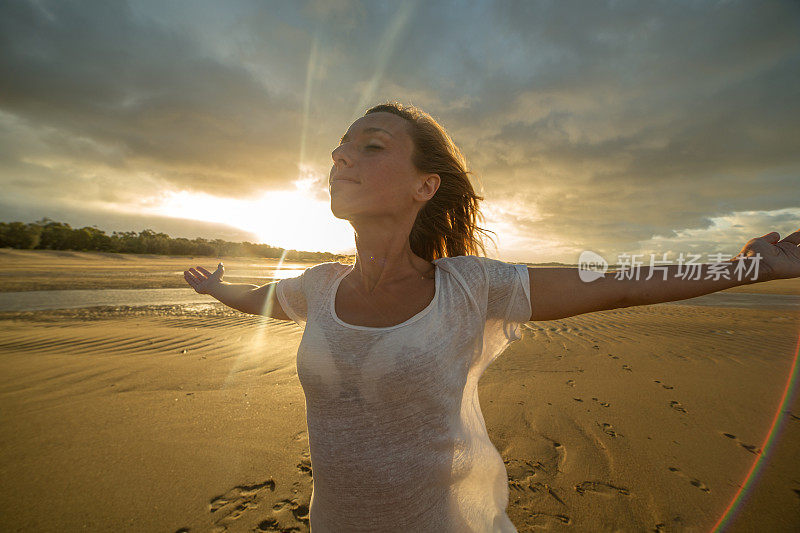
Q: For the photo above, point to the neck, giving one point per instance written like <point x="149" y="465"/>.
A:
<point x="383" y="254"/>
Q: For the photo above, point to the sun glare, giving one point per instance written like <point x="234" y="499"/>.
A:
<point x="289" y="219"/>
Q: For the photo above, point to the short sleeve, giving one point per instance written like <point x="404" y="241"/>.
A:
<point x="292" y="297"/>
<point x="509" y="298"/>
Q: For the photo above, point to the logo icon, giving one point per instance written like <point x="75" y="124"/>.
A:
<point x="591" y="266"/>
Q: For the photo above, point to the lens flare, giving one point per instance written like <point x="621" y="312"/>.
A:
<point x="258" y="345"/>
<point x="753" y="474"/>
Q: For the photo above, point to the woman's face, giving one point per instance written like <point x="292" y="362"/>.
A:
<point x="372" y="172"/>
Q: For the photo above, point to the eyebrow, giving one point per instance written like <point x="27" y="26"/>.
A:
<point x="366" y="130"/>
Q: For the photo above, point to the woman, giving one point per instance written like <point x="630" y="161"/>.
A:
<point x="394" y="345"/>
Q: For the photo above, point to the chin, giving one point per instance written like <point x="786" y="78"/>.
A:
<point x="338" y="212"/>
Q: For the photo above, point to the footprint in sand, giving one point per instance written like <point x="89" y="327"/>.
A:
<point x="608" y="429"/>
<point x="287" y="514"/>
<point x="544" y="488"/>
<point x="521" y="475"/>
<point x="559" y="455"/>
<point x="677" y="406"/>
<point x="535" y="476"/>
<point x="520" y="471"/>
<point x="571" y="382"/>
<point x="661" y="527"/>
<point x="300" y="435"/>
<point x="600" y="487"/>
<point x="693" y="481"/>
<point x="299" y="511"/>
<point x="229" y="507"/>
<point x="604" y="404"/>
<point x="304" y="465"/>
<point x="749" y="447"/>
<point x="627" y="367"/>
<point x="664" y="385"/>
<point x="270" y="524"/>
<point x="538" y="520"/>
<point x="613" y="356"/>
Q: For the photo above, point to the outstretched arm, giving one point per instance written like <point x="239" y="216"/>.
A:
<point x="560" y="292"/>
<point x="253" y="299"/>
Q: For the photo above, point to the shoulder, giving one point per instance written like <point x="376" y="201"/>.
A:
<point x="459" y="261"/>
<point x="329" y="266"/>
<point x="474" y="263"/>
<point x="324" y="271"/>
<point x="314" y="275"/>
<point x="487" y="271"/>
<point x="468" y="269"/>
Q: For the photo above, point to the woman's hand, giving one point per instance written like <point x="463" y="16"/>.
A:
<point x="779" y="259"/>
<point x="203" y="281"/>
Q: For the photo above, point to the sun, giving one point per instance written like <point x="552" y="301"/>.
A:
<point x="291" y="219"/>
<point x="296" y="220"/>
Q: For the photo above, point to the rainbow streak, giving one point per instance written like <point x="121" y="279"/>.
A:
<point x="755" y="470"/>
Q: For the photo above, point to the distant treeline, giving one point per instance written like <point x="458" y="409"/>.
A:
<point x="46" y="234"/>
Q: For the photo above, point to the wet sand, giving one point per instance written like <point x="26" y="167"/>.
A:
<point x="40" y="270"/>
<point x="158" y="419"/>
<point x="176" y="418"/>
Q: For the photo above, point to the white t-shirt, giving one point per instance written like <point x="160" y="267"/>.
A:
<point x="396" y="434"/>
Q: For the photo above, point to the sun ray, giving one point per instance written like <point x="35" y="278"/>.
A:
<point x="385" y="49"/>
<point x="259" y="338"/>
<point x="310" y="70"/>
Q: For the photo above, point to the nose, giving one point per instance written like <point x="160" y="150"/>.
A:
<point x="339" y="157"/>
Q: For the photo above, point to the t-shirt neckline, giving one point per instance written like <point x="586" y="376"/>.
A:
<point x="335" y="287"/>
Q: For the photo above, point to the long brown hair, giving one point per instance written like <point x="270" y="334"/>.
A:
<point x="447" y="225"/>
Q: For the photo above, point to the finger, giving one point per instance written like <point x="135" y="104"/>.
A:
<point x="192" y="276"/>
<point x="771" y="237"/>
<point x="189" y="278"/>
<point x="204" y="271"/>
<point x="197" y="274"/>
<point x="793" y="238"/>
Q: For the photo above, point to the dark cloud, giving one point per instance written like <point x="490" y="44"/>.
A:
<point x="154" y="96"/>
<point x="595" y="124"/>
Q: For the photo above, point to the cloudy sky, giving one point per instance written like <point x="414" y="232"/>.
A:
<point x="617" y="127"/>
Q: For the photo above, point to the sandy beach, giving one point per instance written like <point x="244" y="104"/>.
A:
<point x="29" y="270"/>
<point x="191" y="418"/>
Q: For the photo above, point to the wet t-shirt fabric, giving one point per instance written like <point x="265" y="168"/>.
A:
<point x="397" y="438"/>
